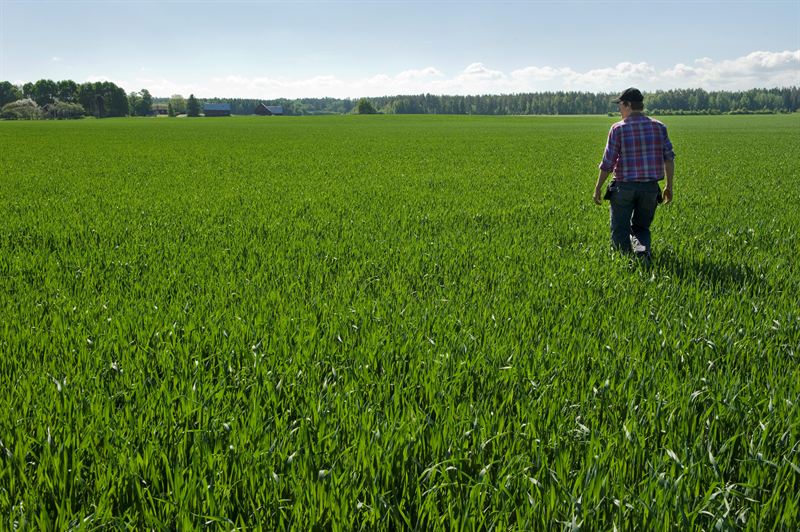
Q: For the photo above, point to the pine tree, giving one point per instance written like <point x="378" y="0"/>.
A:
<point x="193" y="106"/>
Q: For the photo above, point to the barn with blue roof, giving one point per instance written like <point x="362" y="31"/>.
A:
<point x="268" y="110"/>
<point x="217" y="109"/>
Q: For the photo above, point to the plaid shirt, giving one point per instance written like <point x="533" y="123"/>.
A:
<point x="636" y="150"/>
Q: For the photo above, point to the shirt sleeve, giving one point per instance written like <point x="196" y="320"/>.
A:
<point x="611" y="153"/>
<point x="669" y="153"/>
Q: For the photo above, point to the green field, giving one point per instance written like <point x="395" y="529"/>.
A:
<point x="391" y="322"/>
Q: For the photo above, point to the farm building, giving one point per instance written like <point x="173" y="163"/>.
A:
<point x="160" y="109"/>
<point x="217" y="109"/>
<point x="269" y="110"/>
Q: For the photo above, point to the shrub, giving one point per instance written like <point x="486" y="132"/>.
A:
<point x="64" y="110"/>
<point x="25" y="109"/>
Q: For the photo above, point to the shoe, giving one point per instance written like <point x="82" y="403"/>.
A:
<point x="645" y="258"/>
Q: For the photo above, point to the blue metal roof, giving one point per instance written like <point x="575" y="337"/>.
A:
<point x="275" y="109"/>
<point x="216" y="107"/>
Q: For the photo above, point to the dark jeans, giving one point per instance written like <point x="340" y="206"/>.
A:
<point x="633" y="207"/>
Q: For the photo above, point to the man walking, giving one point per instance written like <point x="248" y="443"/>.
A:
<point x="639" y="153"/>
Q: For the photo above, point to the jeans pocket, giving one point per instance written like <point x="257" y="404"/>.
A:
<point x="622" y="196"/>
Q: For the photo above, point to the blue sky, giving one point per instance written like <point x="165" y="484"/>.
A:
<point x="266" y="49"/>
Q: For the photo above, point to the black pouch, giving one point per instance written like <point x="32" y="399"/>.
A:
<point x="612" y="187"/>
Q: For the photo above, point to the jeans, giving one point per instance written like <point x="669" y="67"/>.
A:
<point x="633" y="207"/>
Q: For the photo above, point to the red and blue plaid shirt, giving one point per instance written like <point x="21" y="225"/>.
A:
<point x="637" y="148"/>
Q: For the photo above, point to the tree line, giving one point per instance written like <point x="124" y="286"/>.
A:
<point x="68" y="99"/>
<point x="678" y="101"/>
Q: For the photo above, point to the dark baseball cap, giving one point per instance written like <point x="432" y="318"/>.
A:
<point x="630" y="94"/>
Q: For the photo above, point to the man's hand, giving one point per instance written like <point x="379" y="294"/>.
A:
<point x="667" y="194"/>
<point x="598" y="187"/>
<point x="598" y="195"/>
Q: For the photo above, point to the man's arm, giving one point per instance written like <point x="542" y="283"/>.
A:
<point x="598" y="188"/>
<point x="610" y="156"/>
<point x="669" y="171"/>
<point x="669" y="166"/>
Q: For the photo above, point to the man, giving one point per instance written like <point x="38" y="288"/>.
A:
<point x="639" y="153"/>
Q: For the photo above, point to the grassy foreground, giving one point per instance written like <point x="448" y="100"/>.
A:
<point x="394" y="322"/>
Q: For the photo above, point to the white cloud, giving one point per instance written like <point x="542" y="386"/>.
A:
<point x="55" y="59"/>
<point x="621" y="74"/>
<point x="477" y="71"/>
<point x="757" y="69"/>
<point x="425" y="73"/>
<point x="534" y="74"/>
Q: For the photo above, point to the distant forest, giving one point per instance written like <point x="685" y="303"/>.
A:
<point x="679" y="101"/>
<point x="68" y="99"/>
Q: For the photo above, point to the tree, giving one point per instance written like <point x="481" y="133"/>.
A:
<point x="9" y="93"/>
<point x="118" y="102"/>
<point x="27" y="90"/>
<point x="67" y="91"/>
<point x="64" y="110"/>
<point x="140" y="103"/>
<point x="365" y="107"/>
<point x="178" y="104"/>
<point x="133" y="102"/>
<point x="145" y="104"/>
<point x="193" y="106"/>
<point x="170" y="109"/>
<point x="21" y="110"/>
<point x="103" y="99"/>
<point x="43" y="91"/>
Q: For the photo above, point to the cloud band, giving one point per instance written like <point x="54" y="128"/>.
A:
<point x="755" y="70"/>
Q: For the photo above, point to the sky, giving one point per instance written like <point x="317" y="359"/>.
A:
<point x="270" y="49"/>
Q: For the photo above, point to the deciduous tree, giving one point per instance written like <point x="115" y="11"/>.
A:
<point x="365" y="107"/>
<point x="25" y="109"/>
<point x="140" y="103"/>
<point x="67" y="91"/>
<point x="178" y="103"/>
<point x="9" y="93"/>
<point x="133" y="102"/>
<point x="64" y="110"/>
<point x="44" y="91"/>
<point x="103" y="99"/>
